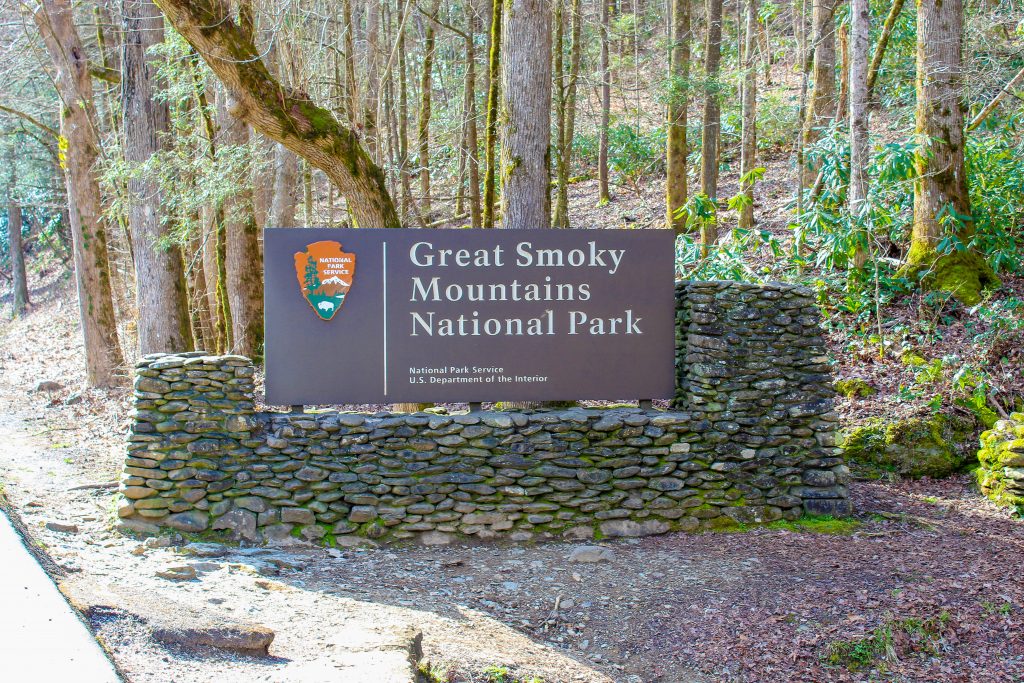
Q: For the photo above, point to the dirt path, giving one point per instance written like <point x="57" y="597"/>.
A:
<point x="927" y="587"/>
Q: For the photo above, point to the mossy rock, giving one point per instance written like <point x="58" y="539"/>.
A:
<point x="963" y="274"/>
<point x="854" y="388"/>
<point x="915" y="447"/>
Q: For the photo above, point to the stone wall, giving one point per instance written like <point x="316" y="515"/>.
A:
<point x="1001" y="459"/>
<point x="750" y="440"/>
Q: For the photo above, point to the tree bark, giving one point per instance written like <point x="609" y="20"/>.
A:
<point x="606" y="103"/>
<point x="676" y="146"/>
<point x="243" y="262"/>
<point x="823" y="95"/>
<point x="748" y="143"/>
<point x="526" y="116"/>
<point x="288" y="117"/>
<point x="860" y="26"/>
<point x="883" y="42"/>
<point x="940" y="185"/>
<point x="103" y="358"/>
<point x="161" y="297"/>
<point x="284" y="197"/>
<point x="19" y="302"/>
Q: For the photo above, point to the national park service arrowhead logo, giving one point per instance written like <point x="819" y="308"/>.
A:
<point x="325" y="275"/>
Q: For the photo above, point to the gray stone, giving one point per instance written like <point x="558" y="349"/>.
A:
<point x="241" y="524"/>
<point x="297" y="516"/>
<point x="362" y="513"/>
<point x="591" y="553"/>
<point x="192" y="521"/>
<point x="626" y="527"/>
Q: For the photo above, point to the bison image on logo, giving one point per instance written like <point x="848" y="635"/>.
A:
<point x="325" y="275"/>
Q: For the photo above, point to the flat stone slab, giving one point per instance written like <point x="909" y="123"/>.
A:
<point x="41" y="637"/>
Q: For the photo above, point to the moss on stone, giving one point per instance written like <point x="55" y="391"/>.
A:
<point x="1001" y="458"/>
<point x="854" y="388"/>
<point x="912" y="447"/>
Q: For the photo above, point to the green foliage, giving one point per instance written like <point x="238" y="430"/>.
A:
<point x="635" y="155"/>
<point x="501" y="674"/>
<point x="888" y="641"/>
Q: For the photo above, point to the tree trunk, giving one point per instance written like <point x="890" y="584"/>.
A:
<point x="560" y="218"/>
<point x="307" y="195"/>
<point x="242" y="260"/>
<point x="161" y="297"/>
<point x="351" y="89"/>
<point x="843" y="100"/>
<point x="472" y="151"/>
<point x="883" y="42"/>
<point x="491" y="136"/>
<point x="606" y="103"/>
<point x="676" y="148"/>
<point x="860" y="26"/>
<point x="748" y="144"/>
<point x="423" y="126"/>
<point x="823" y="95"/>
<point x="940" y="184"/>
<point x="19" y="303"/>
<point x="559" y="94"/>
<point x="372" y="91"/>
<point x="712" y="120"/>
<point x="103" y="358"/>
<point x="526" y="116"/>
<point x="287" y="116"/>
<point x="284" y="198"/>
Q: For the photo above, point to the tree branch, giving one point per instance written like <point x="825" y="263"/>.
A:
<point x="286" y="116"/>
<point x="31" y="119"/>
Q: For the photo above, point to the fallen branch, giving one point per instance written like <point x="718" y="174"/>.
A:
<point x="1000" y="96"/>
<point x="86" y="487"/>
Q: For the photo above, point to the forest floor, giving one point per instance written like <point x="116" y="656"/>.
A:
<point x="922" y="584"/>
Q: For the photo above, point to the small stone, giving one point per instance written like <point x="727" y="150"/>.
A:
<point x="62" y="527"/>
<point x="591" y="553"/>
<point x="184" y="572"/>
<point x="48" y="385"/>
<point x="436" y="538"/>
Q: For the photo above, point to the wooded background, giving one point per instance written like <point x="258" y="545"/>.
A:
<point x="870" y="146"/>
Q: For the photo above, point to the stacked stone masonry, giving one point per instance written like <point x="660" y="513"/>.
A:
<point x="1001" y="460"/>
<point x="750" y="439"/>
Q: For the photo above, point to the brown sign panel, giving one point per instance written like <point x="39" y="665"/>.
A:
<point x="467" y="315"/>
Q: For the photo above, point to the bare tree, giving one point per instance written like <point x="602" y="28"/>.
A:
<point x="164" y="324"/>
<point x="940" y="186"/>
<point x="526" y="115"/>
<point x="103" y="358"/>
<point x="679" y="75"/>
<point x="19" y="302"/>
<point x="860" y="18"/>
<point x="748" y="142"/>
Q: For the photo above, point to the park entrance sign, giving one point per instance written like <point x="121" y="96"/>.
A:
<point x="407" y="315"/>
